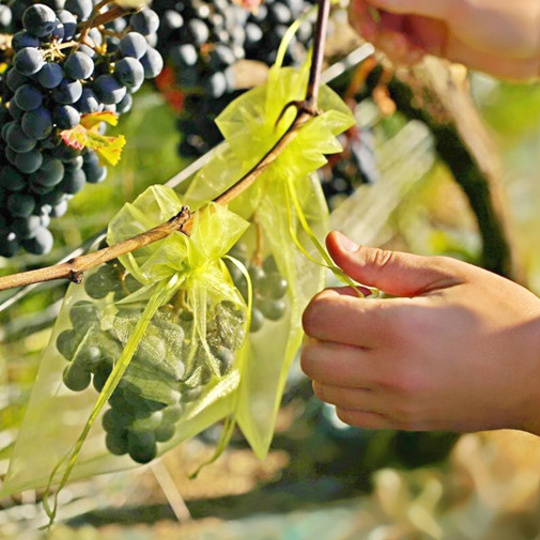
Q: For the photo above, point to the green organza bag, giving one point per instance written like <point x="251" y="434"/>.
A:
<point x="146" y="353"/>
<point x="289" y="219"/>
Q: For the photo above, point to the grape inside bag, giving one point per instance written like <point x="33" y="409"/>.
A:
<point x="59" y="84"/>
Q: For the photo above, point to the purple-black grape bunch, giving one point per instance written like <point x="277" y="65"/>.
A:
<point x="203" y="40"/>
<point x="64" y="64"/>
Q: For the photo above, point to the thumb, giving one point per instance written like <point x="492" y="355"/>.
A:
<point x="393" y="272"/>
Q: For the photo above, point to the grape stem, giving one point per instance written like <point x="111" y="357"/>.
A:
<point x="74" y="269"/>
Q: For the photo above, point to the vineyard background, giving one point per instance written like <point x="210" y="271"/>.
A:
<point x="321" y="477"/>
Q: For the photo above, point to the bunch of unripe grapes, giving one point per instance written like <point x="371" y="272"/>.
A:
<point x="202" y="41"/>
<point x="269" y="286"/>
<point x="58" y="72"/>
<point x="135" y="421"/>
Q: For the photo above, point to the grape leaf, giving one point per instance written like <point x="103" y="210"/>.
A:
<point x="86" y="135"/>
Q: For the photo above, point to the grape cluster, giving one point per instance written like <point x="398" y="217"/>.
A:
<point x="269" y="287"/>
<point x="156" y="388"/>
<point x="57" y="74"/>
<point x="202" y="42"/>
<point x="355" y="166"/>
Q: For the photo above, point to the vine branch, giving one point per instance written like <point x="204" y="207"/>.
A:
<point x="183" y="221"/>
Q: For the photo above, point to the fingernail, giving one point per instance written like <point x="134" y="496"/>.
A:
<point x="346" y="243"/>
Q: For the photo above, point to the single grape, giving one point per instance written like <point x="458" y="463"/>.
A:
<point x="78" y="66"/>
<point x="67" y="92"/>
<point x="28" y="61"/>
<point x="9" y="244"/>
<point x="184" y="55"/>
<point x="73" y="181"/>
<point x="109" y="89"/>
<point x="129" y="72"/>
<point x="273" y="286"/>
<point x="257" y="320"/>
<point x="101" y="283"/>
<point x="14" y="79"/>
<point x="70" y="23"/>
<point x="197" y="31"/>
<point x="58" y="210"/>
<point x="145" y="22"/>
<point x="164" y="433"/>
<point x="37" y="124"/>
<point x="142" y="446"/>
<point x="117" y="442"/>
<point x="20" y="204"/>
<point x="18" y="139"/>
<point x="272" y="309"/>
<point x="152" y="63"/>
<point x="28" y="97"/>
<point x="67" y="343"/>
<point x="88" y="102"/>
<point x="39" y="20"/>
<point x="82" y="315"/>
<point x="40" y="243"/>
<point x="125" y="105"/>
<point x="11" y="179"/>
<point x="29" y="162"/>
<point x="81" y="8"/>
<point x="133" y="44"/>
<point x="172" y="414"/>
<point x="101" y="374"/>
<point x="66" y="116"/>
<point x="89" y="356"/>
<point x="76" y="378"/>
<point x="50" y="173"/>
<point x="23" y="39"/>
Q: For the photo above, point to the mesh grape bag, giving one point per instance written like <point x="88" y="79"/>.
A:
<point x="145" y="353"/>
<point x="289" y="218"/>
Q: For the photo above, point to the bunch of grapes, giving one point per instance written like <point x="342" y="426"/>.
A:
<point x="269" y="287"/>
<point x="61" y="69"/>
<point x="159" y="384"/>
<point x="203" y="41"/>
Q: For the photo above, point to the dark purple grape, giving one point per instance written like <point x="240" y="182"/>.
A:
<point x="39" y="20"/>
<point x="28" y="61"/>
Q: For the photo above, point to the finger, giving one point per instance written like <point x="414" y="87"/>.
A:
<point x="401" y="274"/>
<point x="347" y="397"/>
<point x="334" y="315"/>
<point x="438" y="9"/>
<point x="339" y="365"/>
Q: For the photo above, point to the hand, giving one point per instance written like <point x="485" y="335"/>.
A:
<point x="457" y="350"/>
<point x="500" y="37"/>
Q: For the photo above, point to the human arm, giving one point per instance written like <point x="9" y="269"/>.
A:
<point x="458" y="349"/>
<point x="496" y="36"/>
